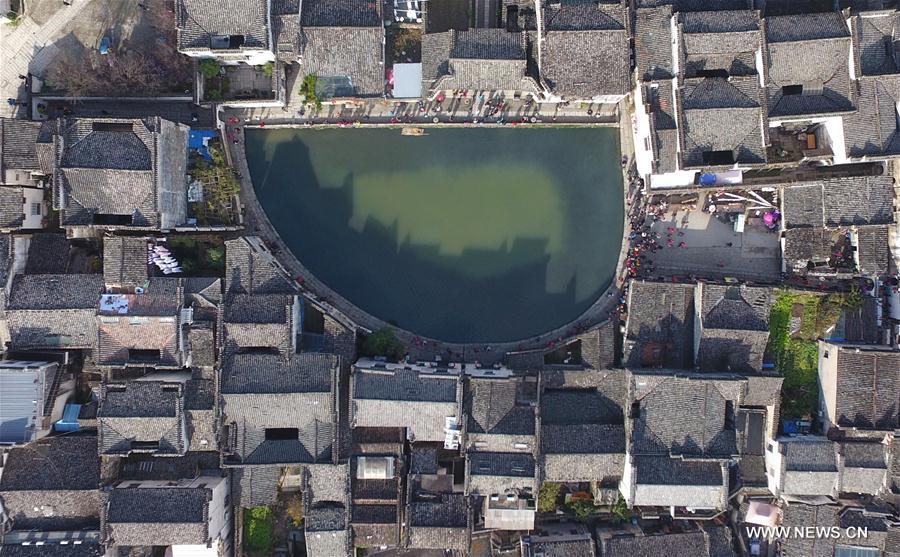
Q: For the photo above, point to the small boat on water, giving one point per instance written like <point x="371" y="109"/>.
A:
<point x="413" y="131"/>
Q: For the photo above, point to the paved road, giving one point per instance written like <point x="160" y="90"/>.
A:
<point x="28" y="48"/>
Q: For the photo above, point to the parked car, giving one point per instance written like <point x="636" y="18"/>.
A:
<point x="408" y="11"/>
<point x="105" y="43"/>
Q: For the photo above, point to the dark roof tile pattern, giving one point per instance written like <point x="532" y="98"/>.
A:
<point x="404" y="384"/>
<point x="876" y="36"/>
<point x="125" y="261"/>
<point x="812" y="50"/>
<point x="660" y="325"/>
<point x="18" y="145"/>
<point x="65" y="463"/>
<point x="868" y="381"/>
<point x="662" y="427"/>
<point x="271" y="373"/>
<point x="492" y="407"/>
<point x="12" y="208"/>
<point x="199" y="21"/>
<point x="653" y="43"/>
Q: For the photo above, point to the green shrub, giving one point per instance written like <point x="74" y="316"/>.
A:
<point x="547" y="497"/>
<point x="258" y="528"/>
<point x="582" y="509"/>
<point x="383" y="342"/>
<point x="620" y="512"/>
<point x="209" y="68"/>
<point x="308" y="90"/>
<point x="268" y="68"/>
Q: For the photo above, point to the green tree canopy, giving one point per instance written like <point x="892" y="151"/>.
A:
<point x="383" y="342"/>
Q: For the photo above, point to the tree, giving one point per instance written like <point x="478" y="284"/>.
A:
<point x="308" y="90"/>
<point x="209" y="68"/>
<point x="383" y="342"/>
<point x="268" y="68"/>
<point x="547" y="497"/>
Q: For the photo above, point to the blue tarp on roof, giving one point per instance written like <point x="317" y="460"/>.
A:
<point x="69" y="421"/>
<point x="198" y="140"/>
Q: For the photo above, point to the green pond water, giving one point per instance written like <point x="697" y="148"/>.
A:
<point x="464" y="235"/>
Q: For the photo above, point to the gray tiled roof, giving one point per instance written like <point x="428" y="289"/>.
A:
<point x="565" y="548"/>
<point x="251" y="270"/>
<point x="258" y="308"/>
<point x="271" y="374"/>
<point x="404" y="398"/>
<point x="340" y="13"/>
<point x="489" y="59"/>
<point x="876" y="40"/>
<point x="54" y="311"/>
<point x="257" y="485"/>
<point x="151" y="516"/>
<point x="351" y="53"/>
<point x="67" y="463"/>
<point x="583" y="439"/>
<point x="404" y="384"/>
<point x="326" y="530"/>
<point x="664" y="470"/>
<point x="200" y="20"/>
<point x="286" y="31"/>
<point x="327" y="482"/>
<point x="810" y="466"/>
<point x="585" y="48"/>
<point x="652" y="43"/>
<point x="797" y="514"/>
<point x="835" y="202"/>
<point x="660" y="325"/>
<point x="18" y="149"/>
<point x="716" y="542"/>
<point x="141" y="399"/>
<point x="873" y="249"/>
<point x="802" y="245"/>
<point x="863" y="466"/>
<point x="68" y="550"/>
<point x="133" y="168"/>
<point x="579" y="15"/>
<point x="448" y="511"/>
<point x="804" y="205"/>
<point x="872" y="130"/>
<point x="720" y="40"/>
<point x="268" y="391"/>
<point x="583" y="64"/>
<point x="491" y="406"/>
<point x="55" y="292"/>
<point x="12" y="210"/>
<point x="142" y="412"/>
<point x="48" y="254"/>
<point x="601" y="405"/>
<point x="868" y="381"/>
<point x="721" y="115"/>
<point x="662" y="427"/>
<point x="125" y="261"/>
<point x="735" y="327"/>
<point x="812" y="50"/>
<point x="519" y="465"/>
<point x="164" y="505"/>
<point x="664" y="129"/>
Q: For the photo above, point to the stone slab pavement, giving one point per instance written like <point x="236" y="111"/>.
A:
<point x="27" y="48"/>
<point x="712" y="249"/>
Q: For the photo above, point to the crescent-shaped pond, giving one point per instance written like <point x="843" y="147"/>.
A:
<point x="462" y="234"/>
